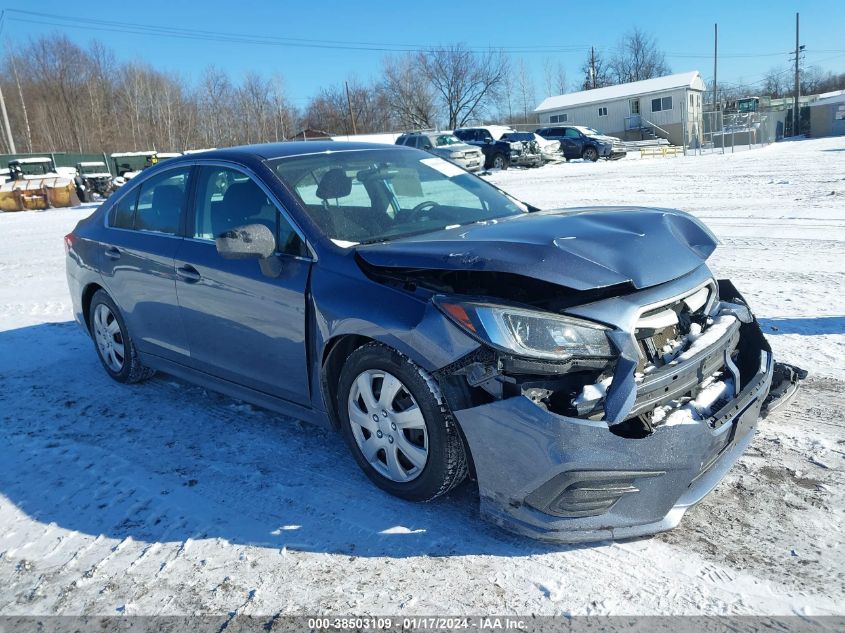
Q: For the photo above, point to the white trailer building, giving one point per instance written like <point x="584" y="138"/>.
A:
<point x="658" y="107"/>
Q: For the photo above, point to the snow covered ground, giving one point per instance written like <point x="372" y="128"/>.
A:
<point x="163" y="498"/>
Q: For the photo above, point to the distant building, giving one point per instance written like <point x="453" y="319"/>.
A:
<point x="658" y="107"/>
<point x="827" y="114"/>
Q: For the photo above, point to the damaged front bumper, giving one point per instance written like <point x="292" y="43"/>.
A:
<point x="569" y="479"/>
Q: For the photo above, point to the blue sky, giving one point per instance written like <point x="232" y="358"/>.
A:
<point x="753" y="36"/>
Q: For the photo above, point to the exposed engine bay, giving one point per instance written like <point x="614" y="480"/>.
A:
<point x="694" y="354"/>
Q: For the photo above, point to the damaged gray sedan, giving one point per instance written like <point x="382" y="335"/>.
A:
<point x="583" y="366"/>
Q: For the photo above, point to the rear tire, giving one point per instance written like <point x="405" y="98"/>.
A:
<point x="112" y="341"/>
<point x="404" y="439"/>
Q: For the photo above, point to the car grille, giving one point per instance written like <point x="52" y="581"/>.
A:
<point x="660" y="326"/>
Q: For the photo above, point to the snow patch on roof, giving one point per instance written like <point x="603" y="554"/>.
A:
<point x="837" y="96"/>
<point x="690" y="79"/>
<point x="122" y="154"/>
<point x="39" y="159"/>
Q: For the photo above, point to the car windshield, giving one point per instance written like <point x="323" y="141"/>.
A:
<point x="99" y="168"/>
<point x="378" y="195"/>
<point x="446" y="139"/>
<point x="589" y="131"/>
<point x="35" y="169"/>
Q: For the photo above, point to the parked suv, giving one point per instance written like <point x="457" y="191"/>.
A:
<point x="532" y="155"/>
<point x="498" y="153"/>
<point x="445" y="145"/>
<point x="577" y="141"/>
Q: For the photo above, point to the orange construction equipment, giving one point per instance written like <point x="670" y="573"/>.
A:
<point x="35" y="185"/>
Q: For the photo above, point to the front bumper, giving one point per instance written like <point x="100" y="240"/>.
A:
<point x="544" y="475"/>
<point x="527" y="160"/>
<point x="612" y="152"/>
<point x="476" y="163"/>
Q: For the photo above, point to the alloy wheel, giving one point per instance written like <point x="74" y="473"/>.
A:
<point x="109" y="338"/>
<point x="388" y="425"/>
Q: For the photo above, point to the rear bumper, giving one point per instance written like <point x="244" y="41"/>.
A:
<point x="565" y="479"/>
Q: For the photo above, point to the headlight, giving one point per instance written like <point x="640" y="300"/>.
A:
<point x="528" y="332"/>
<point x="456" y="154"/>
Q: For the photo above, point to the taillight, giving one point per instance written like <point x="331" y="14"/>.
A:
<point x="69" y="239"/>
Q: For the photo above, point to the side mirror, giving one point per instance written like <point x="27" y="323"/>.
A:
<point x="252" y="241"/>
<point x="427" y="147"/>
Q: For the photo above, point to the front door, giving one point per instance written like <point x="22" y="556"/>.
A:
<point x="571" y="143"/>
<point x="245" y="321"/>
<point x="137" y="262"/>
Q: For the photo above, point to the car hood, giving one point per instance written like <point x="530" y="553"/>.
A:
<point x="605" y="139"/>
<point x="457" y="147"/>
<point x="581" y="249"/>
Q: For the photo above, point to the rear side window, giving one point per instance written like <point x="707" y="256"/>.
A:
<point x="161" y="201"/>
<point x="123" y="213"/>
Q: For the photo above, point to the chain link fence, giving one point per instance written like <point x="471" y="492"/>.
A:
<point x="723" y="132"/>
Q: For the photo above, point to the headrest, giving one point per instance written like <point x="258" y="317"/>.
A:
<point x="334" y="184"/>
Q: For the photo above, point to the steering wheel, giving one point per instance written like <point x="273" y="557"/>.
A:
<point x="423" y="206"/>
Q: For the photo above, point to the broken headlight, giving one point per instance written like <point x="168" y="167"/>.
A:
<point x="528" y="332"/>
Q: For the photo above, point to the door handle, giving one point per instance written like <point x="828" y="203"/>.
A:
<point x="113" y="252"/>
<point x="188" y="273"/>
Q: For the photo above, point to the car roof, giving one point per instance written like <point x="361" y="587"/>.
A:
<point x="25" y="161"/>
<point x="268" y="151"/>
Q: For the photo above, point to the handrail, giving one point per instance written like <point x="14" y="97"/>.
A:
<point x="654" y="125"/>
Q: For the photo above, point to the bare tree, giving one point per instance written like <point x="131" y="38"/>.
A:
<point x="465" y="82"/>
<point x="411" y="100"/>
<point x="637" y="57"/>
<point x="526" y="90"/>
<point x="554" y="77"/>
<point x="596" y="72"/>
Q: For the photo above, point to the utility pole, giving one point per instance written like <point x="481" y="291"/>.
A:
<point x="796" y="125"/>
<point x="715" y="65"/>
<point x="23" y="103"/>
<point x="593" y="66"/>
<point x="8" y="127"/>
<point x="349" y="103"/>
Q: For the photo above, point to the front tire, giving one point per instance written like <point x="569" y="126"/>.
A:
<point x="397" y="425"/>
<point x="499" y="161"/>
<point x="112" y="341"/>
<point x="590" y="154"/>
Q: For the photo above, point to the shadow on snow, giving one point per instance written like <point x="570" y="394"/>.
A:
<point x="807" y="326"/>
<point x="167" y="461"/>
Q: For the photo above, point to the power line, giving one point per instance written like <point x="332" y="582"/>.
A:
<point x="197" y="34"/>
<point x="243" y="38"/>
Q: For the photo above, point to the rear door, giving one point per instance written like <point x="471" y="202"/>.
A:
<point x="137" y="261"/>
<point x="245" y="321"/>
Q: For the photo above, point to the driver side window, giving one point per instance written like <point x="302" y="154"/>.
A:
<point x="227" y="198"/>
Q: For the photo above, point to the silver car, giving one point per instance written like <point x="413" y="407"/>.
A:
<point x="446" y="146"/>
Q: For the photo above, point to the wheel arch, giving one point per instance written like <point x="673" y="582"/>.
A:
<point x="340" y="346"/>
<point x="87" y="296"/>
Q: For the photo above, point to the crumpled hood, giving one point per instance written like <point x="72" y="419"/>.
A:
<point x="606" y="139"/>
<point x="582" y="248"/>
